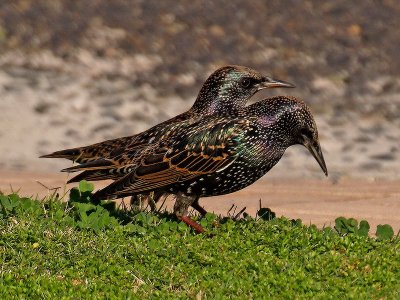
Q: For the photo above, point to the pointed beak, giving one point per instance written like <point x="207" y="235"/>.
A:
<point x="269" y="82"/>
<point x="315" y="150"/>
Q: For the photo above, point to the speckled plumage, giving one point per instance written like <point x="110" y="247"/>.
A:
<point x="224" y="93"/>
<point x="220" y="154"/>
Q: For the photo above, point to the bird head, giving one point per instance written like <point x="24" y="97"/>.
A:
<point x="288" y="121"/>
<point x="229" y="88"/>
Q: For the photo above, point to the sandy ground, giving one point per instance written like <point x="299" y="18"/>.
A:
<point x="315" y="201"/>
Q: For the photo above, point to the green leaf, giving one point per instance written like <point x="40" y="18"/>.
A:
<point x="182" y="227"/>
<point x="153" y="244"/>
<point x="145" y="219"/>
<point x="9" y="203"/>
<point x="14" y="199"/>
<point x="364" y="228"/>
<point x="109" y="205"/>
<point x="384" y="232"/>
<point x="74" y="195"/>
<point x="27" y="204"/>
<point x="352" y="224"/>
<point x="164" y="228"/>
<point x="266" y="214"/>
<point x="141" y="230"/>
<point x="5" y="202"/>
<point x="84" y="207"/>
<point x="340" y="225"/>
<point x="297" y="222"/>
<point x="345" y="226"/>
<point x="85" y="186"/>
<point x="59" y="214"/>
<point x="210" y="217"/>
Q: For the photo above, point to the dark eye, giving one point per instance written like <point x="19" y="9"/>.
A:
<point x="245" y="82"/>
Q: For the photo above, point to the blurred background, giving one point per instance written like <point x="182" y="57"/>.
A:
<point x="78" y="72"/>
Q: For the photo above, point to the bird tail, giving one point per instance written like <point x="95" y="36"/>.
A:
<point x="71" y="154"/>
<point x="94" y="175"/>
<point x="99" y="164"/>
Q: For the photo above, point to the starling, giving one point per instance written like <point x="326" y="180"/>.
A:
<point x="224" y="92"/>
<point x="220" y="154"/>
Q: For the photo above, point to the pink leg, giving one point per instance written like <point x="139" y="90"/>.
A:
<point x="181" y="206"/>
<point x="188" y="221"/>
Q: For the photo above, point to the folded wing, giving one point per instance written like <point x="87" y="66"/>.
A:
<point x="197" y="152"/>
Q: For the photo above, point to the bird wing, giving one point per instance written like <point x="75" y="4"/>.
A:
<point x="113" y="148"/>
<point x="197" y="152"/>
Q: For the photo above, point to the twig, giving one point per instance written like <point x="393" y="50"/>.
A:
<point x="239" y="213"/>
<point x="46" y="187"/>
<point x="228" y="213"/>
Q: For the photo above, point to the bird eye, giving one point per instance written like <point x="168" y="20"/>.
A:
<point x="246" y="82"/>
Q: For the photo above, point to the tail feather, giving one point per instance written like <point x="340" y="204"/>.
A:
<point x="99" y="164"/>
<point x="91" y="175"/>
<point x="72" y="154"/>
<point x="111" y="191"/>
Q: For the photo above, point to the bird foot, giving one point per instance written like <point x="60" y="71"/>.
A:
<point x="188" y="221"/>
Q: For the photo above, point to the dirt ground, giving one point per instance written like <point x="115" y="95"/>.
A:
<point x="315" y="201"/>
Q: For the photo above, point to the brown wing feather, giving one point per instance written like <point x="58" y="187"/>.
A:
<point x="184" y="158"/>
<point x="116" y="147"/>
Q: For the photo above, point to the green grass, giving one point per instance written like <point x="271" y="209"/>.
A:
<point x="53" y="250"/>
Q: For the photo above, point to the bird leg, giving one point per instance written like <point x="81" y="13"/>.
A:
<point x="200" y="209"/>
<point x="141" y="199"/>
<point x="154" y="197"/>
<point x="195" y="205"/>
<point x="181" y="206"/>
<point x="188" y="221"/>
<point x="138" y="201"/>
